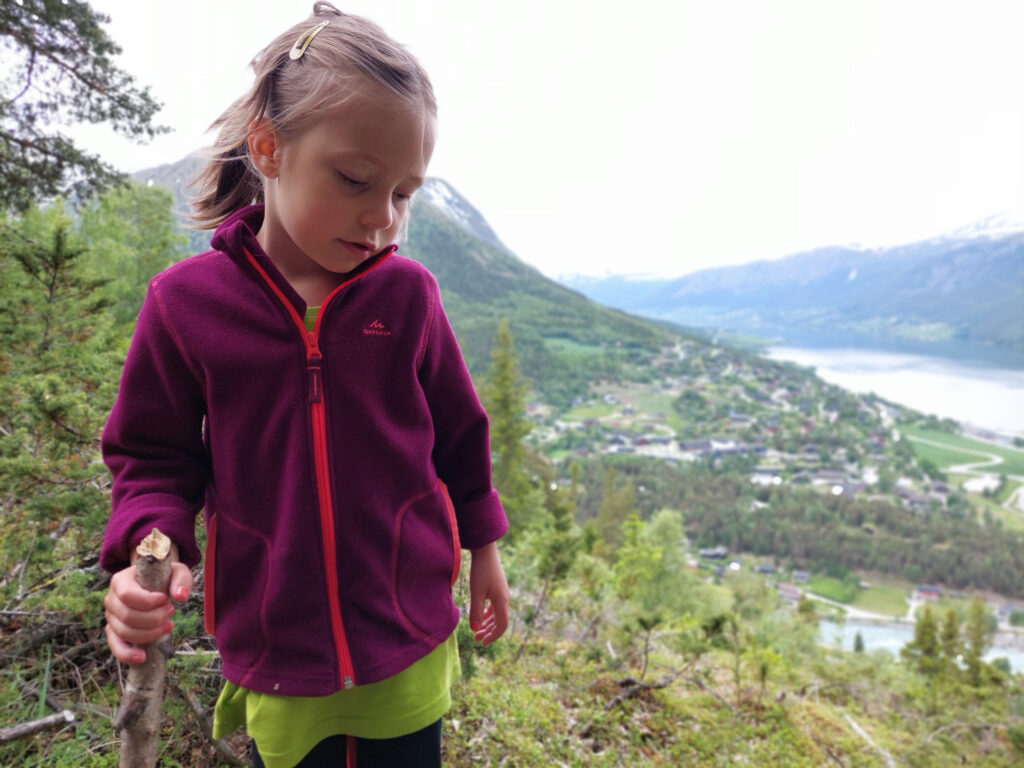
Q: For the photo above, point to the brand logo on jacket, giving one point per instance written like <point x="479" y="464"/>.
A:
<point x="376" y="328"/>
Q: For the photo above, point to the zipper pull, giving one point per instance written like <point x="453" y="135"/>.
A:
<point x="313" y="360"/>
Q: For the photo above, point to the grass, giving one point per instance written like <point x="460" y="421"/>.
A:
<point x="573" y="349"/>
<point x="646" y="403"/>
<point x="833" y="589"/>
<point x="946" y="457"/>
<point x="1008" y="489"/>
<point x="888" y="600"/>
<point x="590" y="411"/>
<point x="1013" y="521"/>
<point x="958" y="449"/>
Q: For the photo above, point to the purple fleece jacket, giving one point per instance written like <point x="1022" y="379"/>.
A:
<point x="217" y="410"/>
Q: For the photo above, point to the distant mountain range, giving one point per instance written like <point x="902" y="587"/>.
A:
<point x="966" y="287"/>
<point x="564" y="340"/>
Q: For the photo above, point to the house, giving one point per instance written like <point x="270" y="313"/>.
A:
<point x="765" y="568"/>
<point x="926" y="592"/>
<point x="912" y="500"/>
<point x="696" y="446"/>
<point x="801" y="577"/>
<point x="790" y="592"/>
<point x="715" y="553"/>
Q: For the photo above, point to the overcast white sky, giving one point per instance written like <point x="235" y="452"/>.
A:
<point x="660" y="137"/>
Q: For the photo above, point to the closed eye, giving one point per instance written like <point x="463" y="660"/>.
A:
<point x="349" y="181"/>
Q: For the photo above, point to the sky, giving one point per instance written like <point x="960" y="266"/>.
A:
<point x="654" y="137"/>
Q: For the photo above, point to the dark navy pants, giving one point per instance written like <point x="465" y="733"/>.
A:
<point x="421" y="749"/>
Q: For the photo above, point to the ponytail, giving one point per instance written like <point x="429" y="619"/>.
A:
<point x="348" y="54"/>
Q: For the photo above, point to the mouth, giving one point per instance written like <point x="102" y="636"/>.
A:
<point x="362" y="248"/>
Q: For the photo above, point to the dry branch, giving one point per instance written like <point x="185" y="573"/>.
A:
<point x="224" y="750"/>
<point x="21" y="730"/>
<point x="138" y="720"/>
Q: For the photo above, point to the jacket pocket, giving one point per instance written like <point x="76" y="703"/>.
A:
<point x="209" y="575"/>
<point x="425" y="562"/>
<point x="238" y="559"/>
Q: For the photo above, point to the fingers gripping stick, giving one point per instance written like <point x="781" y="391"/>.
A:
<point x="138" y="719"/>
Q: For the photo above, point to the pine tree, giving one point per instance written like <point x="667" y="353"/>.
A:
<point x="924" y="649"/>
<point x="504" y="397"/>
<point x="60" y="70"/>
<point x="618" y="502"/>
<point x="949" y="640"/>
<point x="978" y="634"/>
<point x="58" y="376"/>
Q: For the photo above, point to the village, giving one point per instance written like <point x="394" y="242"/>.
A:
<point x="784" y="427"/>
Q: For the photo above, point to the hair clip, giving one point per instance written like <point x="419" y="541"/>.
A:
<point x="304" y="40"/>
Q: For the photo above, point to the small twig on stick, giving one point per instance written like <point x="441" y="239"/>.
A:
<point x="21" y="730"/>
<point x="138" y="719"/>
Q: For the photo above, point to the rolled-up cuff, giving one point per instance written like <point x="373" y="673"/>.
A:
<point x="131" y="524"/>
<point x="481" y="521"/>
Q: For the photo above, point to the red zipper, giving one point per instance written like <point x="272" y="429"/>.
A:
<point x="323" y="490"/>
<point x="346" y="674"/>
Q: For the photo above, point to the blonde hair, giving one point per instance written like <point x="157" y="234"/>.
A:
<point x="347" y="55"/>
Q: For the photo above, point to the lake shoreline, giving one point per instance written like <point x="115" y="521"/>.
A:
<point x="983" y="398"/>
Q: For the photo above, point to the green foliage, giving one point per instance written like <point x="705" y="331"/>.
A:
<point x="618" y="503"/>
<point x="59" y="371"/>
<point x="131" y="236"/>
<point x="977" y="636"/>
<point x="924" y="650"/>
<point x="60" y="65"/>
<point x="504" y="397"/>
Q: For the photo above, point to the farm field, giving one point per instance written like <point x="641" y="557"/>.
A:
<point x="963" y="450"/>
<point x="887" y="599"/>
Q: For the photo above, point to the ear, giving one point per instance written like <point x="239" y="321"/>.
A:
<point x="264" y="149"/>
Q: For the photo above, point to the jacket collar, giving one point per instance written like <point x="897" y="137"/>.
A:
<point x="236" y="234"/>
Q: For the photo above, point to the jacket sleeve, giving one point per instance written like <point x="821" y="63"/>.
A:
<point x="153" y="442"/>
<point x="462" y="453"/>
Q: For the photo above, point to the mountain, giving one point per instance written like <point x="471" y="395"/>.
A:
<point x="564" y="340"/>
<point x="963" y="287"/>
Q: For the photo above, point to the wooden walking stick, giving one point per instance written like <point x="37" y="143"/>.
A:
<point x="138" y="719"/>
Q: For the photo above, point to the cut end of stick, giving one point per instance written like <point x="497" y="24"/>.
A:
<point x="156" y="545"/>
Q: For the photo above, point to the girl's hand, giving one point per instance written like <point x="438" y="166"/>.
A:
<point x="488" y="595"/>
<point x="137" y="617"/>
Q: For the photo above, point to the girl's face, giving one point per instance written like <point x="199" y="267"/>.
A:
<point x="338" y="191"/>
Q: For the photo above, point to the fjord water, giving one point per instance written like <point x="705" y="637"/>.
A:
<point x="892" y="637"/>
<point x="982" y="392"/>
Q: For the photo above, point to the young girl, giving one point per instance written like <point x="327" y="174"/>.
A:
<point x="301" y="383"/>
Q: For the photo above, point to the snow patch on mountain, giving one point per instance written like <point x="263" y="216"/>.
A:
<point x="442" y="196"/>
<point x="991" y="227"/>
<point x="445" y="198"/>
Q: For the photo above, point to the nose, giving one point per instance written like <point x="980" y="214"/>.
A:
<point x="378" y="213"/>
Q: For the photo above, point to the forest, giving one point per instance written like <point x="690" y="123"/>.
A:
<point x="625" y="649"/>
